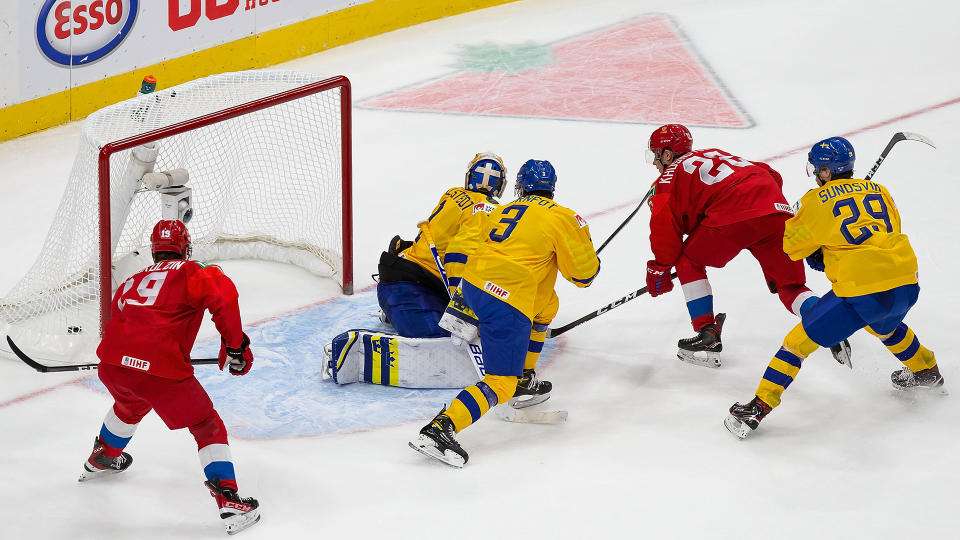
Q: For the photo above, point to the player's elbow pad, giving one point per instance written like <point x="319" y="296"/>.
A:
<point x="588" y="281"/>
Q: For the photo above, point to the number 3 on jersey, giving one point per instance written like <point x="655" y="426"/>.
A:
<point x="146" y="292"/>
<point x="510" y="222"/>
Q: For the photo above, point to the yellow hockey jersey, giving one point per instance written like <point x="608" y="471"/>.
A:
<point x="857" y="225"/>
<point x="528" y="241"/>
<point x="456" y="224"/>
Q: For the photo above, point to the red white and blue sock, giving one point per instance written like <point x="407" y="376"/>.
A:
<point x="115" y="434"/>
<point x="214" y="450"/>
<point x="699" y="297"/>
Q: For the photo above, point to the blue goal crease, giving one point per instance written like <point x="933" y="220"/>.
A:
<point x="284" y="394"/>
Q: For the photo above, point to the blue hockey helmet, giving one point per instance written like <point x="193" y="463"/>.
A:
<point x="486" y="173"/>
<point x="536" y="175"/>
<point x="835" y="153"/>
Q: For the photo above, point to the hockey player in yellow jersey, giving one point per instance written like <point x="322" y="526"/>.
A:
<point x="509" y="283"/>
<point x="849" y="229"/>
<point x="411" y="292"/>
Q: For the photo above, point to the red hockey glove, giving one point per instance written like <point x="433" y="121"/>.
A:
<point x="659" y="280"/>
<point x="238" y="360"/>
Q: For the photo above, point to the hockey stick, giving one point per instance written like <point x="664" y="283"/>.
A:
<point x="554" y="332"/>
<point x="78" y="367"/>
<point x="521" y="416"/>
<point x="424" y="227"/>
<point x="624" y="224"/>
<point x="897" y="137"/>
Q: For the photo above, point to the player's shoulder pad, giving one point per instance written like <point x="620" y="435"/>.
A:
<point x="208" y="267"/>
<point x="484" y="207"/>
<point x="580" y="221"/>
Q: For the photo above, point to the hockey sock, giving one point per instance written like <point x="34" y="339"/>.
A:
<point x="804" y="301"/>
<point x="537" y="336"/>
<point x="474" y="401"/>
<point x="214" y="450"/>
<point x="115" y="434"/>
<point x="903" y="343"/>
<point x="699" y="297"/>
<point x="785" y="365"/>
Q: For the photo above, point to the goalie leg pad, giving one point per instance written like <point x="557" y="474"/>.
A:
<point x="392" y="360"/>
<point x="459" y="319"/>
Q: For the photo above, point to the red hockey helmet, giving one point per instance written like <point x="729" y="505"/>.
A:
<point x="171" y="235"/>
<point x="676" y="137"/>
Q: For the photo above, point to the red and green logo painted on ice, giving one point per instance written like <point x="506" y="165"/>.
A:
<point x="642" y="71"/>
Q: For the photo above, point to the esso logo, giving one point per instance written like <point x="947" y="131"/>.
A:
<point x="80" y="32"/>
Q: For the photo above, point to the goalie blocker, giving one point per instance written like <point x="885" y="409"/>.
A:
<point x="392" y="360"/>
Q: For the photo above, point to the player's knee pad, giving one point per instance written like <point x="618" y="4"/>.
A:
<point x="210" y="430"/>
<point x="799" y="343"/>
<point x="503" y="385"/>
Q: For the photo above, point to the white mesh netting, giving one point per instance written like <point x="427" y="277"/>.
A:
<point x="265" y="185"/>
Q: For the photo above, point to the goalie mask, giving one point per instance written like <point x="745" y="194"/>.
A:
<point x="486" y="173"/>
<point x="171" y="235"/>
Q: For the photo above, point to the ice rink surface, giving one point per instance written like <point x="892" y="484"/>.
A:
<point x="644" y="453"/>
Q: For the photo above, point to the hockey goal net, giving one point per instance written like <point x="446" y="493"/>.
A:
<point x="257" y="163"/>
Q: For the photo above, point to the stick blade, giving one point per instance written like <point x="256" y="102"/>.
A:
<point x="911" y="136"/>
<point x="522" y="416"/>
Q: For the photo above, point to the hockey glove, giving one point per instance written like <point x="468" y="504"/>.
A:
<point x="815" y="260"/>
<point x="659" y="280"/>
<point x="238" y="360"/>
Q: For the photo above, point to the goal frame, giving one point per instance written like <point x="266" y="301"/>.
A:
<point x="346" y="154"/>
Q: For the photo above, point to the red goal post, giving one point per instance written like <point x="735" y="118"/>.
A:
<point x="338" y="82"/>
<point x="257" y="163"/>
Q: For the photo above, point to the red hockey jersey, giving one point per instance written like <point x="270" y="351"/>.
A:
<point x="156" y="314"/>
<point x="711" y="188"/>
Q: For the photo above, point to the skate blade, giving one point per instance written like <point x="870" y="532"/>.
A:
<point x="925" y="390"/>
<point x="239" y="522"/>
<point x="91" y="475"/>
<point x="520" y="416"/>
<point x="428" y="449"/>
<point x="520" y="403"/>
<point x="700" y="358"/>
<point x="735" y="426"/>
<point x="841" y="353"/>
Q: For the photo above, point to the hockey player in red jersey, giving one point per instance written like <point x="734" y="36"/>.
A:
<point x="707" y="206"/>
<point x="145" y="365"/>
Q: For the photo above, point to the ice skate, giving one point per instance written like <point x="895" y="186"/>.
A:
<point x="98" y="464"/>
<point x="530" y="390"/>
<point x="841" y="353"/>
<point x="704" y="348"/>
<point x="744" y="419"/>
<point x="437" y="440"/>
<point x="925" y="379"/>
<point x="237" y="513"/>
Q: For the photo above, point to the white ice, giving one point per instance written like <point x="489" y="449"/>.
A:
<point x="644" y="454"/>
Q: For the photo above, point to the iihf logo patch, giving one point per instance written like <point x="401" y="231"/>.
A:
<point x="580" y="220"/>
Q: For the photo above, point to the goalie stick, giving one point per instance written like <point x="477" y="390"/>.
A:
<point x="77" y="367"/>
<point x="897" y="137"/>
<point x="521" y="416"/>
<point x="554" y="332"/>
<point x="425" y="229"/>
